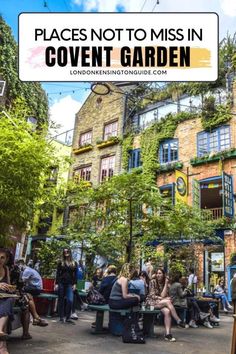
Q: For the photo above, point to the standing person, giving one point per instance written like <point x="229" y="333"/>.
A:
<point x="119" y="297"/>
<point x="107" y="282"/>
<point x="66" y="284"/>
<point x="233" y="291"/>
<point x="158" y="297"/>
<point x="192" y="281"/>
<point x="220" y="293"/>
<point x="97" y="278"/>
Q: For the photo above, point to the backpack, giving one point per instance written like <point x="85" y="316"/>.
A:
<point x="95" y="298"/>
<point x="132" y="332"/>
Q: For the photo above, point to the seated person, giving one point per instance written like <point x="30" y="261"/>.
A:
<point x="145" y="278"/>
<point x="108" y="282"/>
<point x="199" y="311"/>
<point x="178" y="295"/>
<point x="30" y="283"/>
<point x="220" y="293"/>
<point x="97" y="278"/>
<point x="136" y="285"/>
<point x="32" y="280"/>
<point x="120" y="297"/>
<point x="158" y="297"/>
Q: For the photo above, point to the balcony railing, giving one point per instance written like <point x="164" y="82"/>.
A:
<point x="214" y="213"/>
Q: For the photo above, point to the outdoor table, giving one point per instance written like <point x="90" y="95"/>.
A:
<point x="148" y="321"/>
<point x="233" y="346"/>
<point x="50" y="298"/>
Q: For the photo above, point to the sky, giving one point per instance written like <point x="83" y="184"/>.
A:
<point x="65" y="99"/>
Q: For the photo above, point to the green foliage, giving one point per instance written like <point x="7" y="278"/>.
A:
<point x="49" y="254"/>
<point x="214" y="116"/>
<point x="32" y="92"/>
<point x="25" y="157"/>
<point x="127" y="146"/>
<point x="122" y="215"/>
<point x="151" y="138"/>
<point x="222" y="155"/>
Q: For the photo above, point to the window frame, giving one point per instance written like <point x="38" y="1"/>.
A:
<point x="78" y="171"/>
<point x="101" y="179"/>
<point x="107" y="125"/>
<point x="134" y="156"/>
<point x="168" y="141"/>
<point x="218" y="139"/>
<point x="83" y="133"/>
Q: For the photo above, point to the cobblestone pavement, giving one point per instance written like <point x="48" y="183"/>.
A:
<point x="68" y="339"/>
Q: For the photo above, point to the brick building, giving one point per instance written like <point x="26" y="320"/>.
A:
<point x="97" y="133"/>
<point x="208" y="160"/>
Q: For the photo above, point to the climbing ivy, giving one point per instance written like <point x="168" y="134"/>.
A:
<point x="212" y="115"/>
<point x="31" y="92"/>
<point x="127" y="145"/>
<point x="151" y="138"/>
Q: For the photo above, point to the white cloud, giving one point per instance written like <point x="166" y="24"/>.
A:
<point x="110" y="5"/>
<point x="229" y="7"/>
<point x="63" y="112"/>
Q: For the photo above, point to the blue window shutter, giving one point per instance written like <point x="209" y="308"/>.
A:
<point x="228" y="195"/>
<point x="134" y="158"/>
<point x="130" y="161"/>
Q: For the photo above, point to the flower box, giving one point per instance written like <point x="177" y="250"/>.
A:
<point x="82" y="149"/>
<point x="107" y="143"/>
<point x="170" y="167"/>
<point x="224" y="155"/>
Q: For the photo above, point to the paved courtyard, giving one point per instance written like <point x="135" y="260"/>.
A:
<point x="68" y="339"/>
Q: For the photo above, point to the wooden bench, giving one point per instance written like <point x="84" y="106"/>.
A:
<point x="50" y="298"/>
<point x="148" y="318"/>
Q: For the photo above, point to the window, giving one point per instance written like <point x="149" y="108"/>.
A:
<point x="216" y="140"/>
<point x="83" y="173"/>
<point x="110" y="129"/>
<point x="107" y="167"/>
<point x="134" y="159"/>
<point x="85" y="138"/>
<point x="169" y="151"/>
<point x="148" y="118"/>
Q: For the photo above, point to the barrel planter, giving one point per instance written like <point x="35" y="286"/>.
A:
<point x="48" y="285"/>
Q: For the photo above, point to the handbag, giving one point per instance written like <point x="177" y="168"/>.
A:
<point x="132" y="332"/>
<point x="95" y="298"/>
